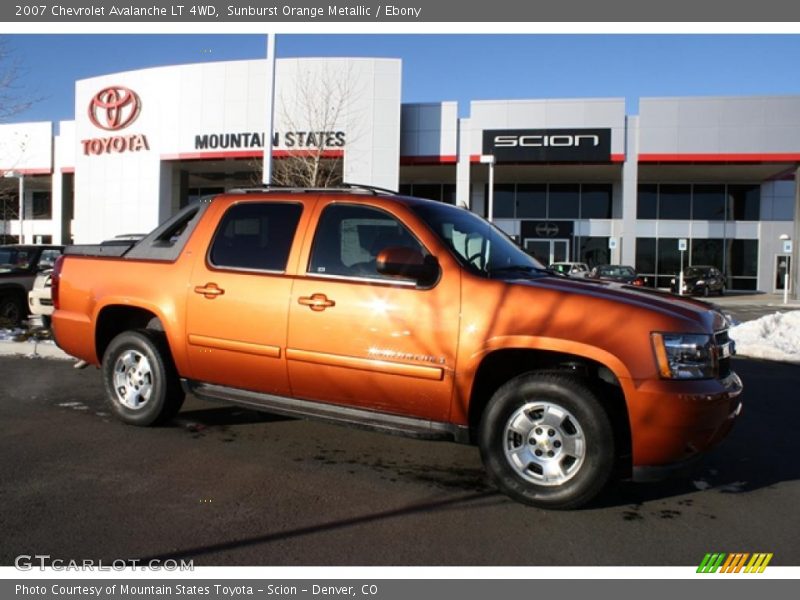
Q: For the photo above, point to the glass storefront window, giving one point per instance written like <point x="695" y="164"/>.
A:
<point x="431" y="191"/>
<point x="738" y="259"/>
<point x="532" y="201"/>
<point x="594" y="251"/>
<point x="669" y="258"/>
<point x="504" y="202"/>
<point x="744" y="202"/>
<point x="742" y="258"/>
<point x="596" y="201"/>
<point x="646" y="256"/>
<point x="647" y="201"/>
<point x="708" y="202"/>
<point x="42" y="205"/>
<point x="707" y="252"/>
<point x="563" y="201"/>
<point x="675" y="201"/>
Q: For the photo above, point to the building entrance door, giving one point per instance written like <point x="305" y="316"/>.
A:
<point x="548" y="252"/>
<point x="783" y="264"/>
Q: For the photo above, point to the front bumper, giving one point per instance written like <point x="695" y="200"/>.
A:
<point x="674" y="422"/>
<point x="40" y="302"/>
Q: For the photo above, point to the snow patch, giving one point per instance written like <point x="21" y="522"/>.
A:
<point x="772" y="337"/>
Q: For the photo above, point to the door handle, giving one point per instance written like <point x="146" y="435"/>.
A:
<point x="316" y="302"/>
<point x="209" y="290"/>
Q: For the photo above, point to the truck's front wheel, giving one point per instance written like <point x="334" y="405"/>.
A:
<point x="142" y="386"/>
<point x="546" y="441"/>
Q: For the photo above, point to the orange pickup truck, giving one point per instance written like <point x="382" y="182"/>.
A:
<point x="407" y="316"/>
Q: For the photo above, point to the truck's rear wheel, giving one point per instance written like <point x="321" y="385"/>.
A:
<point x="142" y="386"/>
<point x="546" y="441"/>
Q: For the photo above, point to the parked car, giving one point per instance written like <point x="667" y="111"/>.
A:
<point x="401" y="315"/>
<point x="617" y="273"/>
<point x="573" y="269"/>
<point x="40" y="301"/>
<point x="19" y="266"/>
<point x="700" y="280"/>
<point x="40" y="298"/>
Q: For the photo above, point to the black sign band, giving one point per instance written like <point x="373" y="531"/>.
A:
<point x="548" y="145"/>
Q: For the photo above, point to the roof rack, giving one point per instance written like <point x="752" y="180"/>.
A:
<point x="343" y="187"/>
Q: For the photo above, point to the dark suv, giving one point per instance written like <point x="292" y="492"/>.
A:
<point x="19" y="265"/>
<point x="700" y="280"/>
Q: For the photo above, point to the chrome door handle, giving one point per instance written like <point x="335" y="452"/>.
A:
<point x="209" y="290"/>
<point x="316" y="302"/>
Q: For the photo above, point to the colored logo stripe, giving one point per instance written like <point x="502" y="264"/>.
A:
<point x="733" y="563"/>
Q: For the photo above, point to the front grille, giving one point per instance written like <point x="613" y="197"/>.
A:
<point x="46" y="302"/>
<point x="723" y="341"/>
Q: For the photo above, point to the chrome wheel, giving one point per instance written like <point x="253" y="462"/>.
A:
<point x="544" y="443"/>
<point x="133" y="380"/>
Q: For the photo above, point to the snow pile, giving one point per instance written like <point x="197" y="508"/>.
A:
<point x="772" y="337"/>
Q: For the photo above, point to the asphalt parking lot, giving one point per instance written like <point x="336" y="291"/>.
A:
<point x="226" y="486"/>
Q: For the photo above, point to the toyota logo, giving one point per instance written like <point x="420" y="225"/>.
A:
<point x="546" y="229"/>
<point x="114" y="108"/>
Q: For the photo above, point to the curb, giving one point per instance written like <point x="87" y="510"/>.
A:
<point x="34" y="350"/>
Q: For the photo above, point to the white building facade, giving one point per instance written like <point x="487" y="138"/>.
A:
<point x="574" y="179"/>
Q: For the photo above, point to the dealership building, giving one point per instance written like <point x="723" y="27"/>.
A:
<point x="568" y="179"/>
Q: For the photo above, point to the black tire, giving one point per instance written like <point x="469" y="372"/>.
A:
<point x="12" y="309"/>
<point x="47" y="321"/>
<point x="564" y="416"/>
<point x="141" y="382"/>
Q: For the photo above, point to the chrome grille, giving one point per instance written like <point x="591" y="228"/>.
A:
<point x="725" y="349"/>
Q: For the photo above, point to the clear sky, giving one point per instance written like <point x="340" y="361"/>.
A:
<point x="443" y="67"/>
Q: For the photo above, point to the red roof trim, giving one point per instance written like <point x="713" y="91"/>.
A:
<point x="433" y="159"/>
<point x="255" y="153"/>
<point x="27" y="171"/>
<point x="723" y="158"/>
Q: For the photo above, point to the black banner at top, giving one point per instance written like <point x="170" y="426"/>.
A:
<point x="400" y="11"/>
<point x="548" y="145"/>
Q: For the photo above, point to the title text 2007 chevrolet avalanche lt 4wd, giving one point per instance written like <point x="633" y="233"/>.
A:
<point x="406" y="315"/>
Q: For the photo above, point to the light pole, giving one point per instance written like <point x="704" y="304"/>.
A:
<point x="488" y="159"/>
<point x="787" y="274"/>
<point x="21" y="177"/>
<point x="266" y="177"/>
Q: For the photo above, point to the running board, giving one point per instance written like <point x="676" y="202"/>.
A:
<point x="332" y="413"/>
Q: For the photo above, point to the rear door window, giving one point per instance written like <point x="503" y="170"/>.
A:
<point x="256" y="236"/>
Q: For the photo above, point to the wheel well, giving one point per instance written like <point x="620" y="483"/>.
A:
<point x="113" y="320"/>
<point x="14" y="291"/>
<point x="503" y="365"/>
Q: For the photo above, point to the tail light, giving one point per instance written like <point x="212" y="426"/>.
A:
<point x="55" y="281"/>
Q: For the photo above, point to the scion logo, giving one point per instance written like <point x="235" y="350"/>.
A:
<point x="546" y="230"/>
<point x="548" y="145"/>
<point x="114" y="108"/>
<point x="539" y="141"/>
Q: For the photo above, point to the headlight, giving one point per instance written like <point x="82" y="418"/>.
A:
<point x="700" y="282"/>
<point x="684" y="355"/>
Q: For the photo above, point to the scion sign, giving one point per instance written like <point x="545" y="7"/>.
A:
<point x="548" y="145"/>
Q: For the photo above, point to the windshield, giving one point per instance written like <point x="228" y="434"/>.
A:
<point x="476" y="243"/>
<point x="12" y="258"/>
<point x="694" y="272"/>
<point x="615" y="271"/>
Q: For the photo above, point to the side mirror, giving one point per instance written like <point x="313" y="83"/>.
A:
<point x="398" y="261"/>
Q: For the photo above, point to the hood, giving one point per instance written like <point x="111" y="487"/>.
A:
<point x="695" y="314"/>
